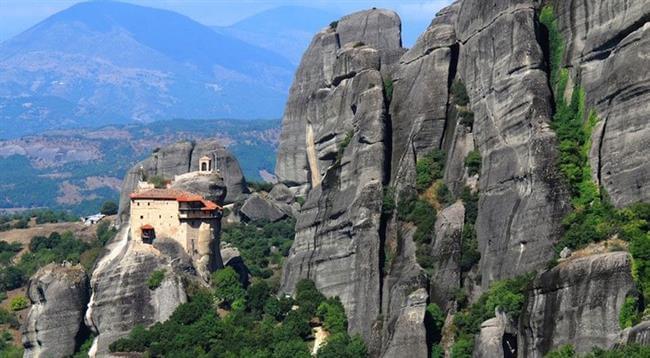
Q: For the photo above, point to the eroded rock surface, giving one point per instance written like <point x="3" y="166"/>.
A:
<point x="522" y="200"/>
<point x="578" y="303"/>
<point x="337" y="109"/>
<point x="121" y="298"/>
<point x="607" y="43"/>
<point x="257" y="207"/>
<point x="54" y="324"/>
<point x="409" y="331"/>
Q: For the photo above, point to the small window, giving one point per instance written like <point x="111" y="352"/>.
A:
<point x="138" y="203"/>
<point x="159" y="216"/>
<point x="141" y="216"/>
<point x="148" y="204"/>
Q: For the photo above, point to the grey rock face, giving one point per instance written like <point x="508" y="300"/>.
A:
<point x="121" y="298"/>
<point x="639" y="334"/>
<point x="420" y="92"/>
<point x="522" y="201"/>
<point x="315" y="79"/>
<point x="59" y="295"/>
<point x="232" y="258"/>
<point x="409" y="331"/>
<point x="337" y="241"/>
<point x="181" y="158"/>
<point x="446" y="252"/>
<point x="257" y="207"/>
<point x="578" y="303"/>
<point x="605" y="46"/>
<point x="497" y="338"/>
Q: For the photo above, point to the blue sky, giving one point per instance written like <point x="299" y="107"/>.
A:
<point x="19" y="15"/>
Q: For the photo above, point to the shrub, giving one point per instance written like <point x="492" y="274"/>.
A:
<point x="436" y="318"/>
<point x="19" y="303"/>
<point x="428" y="169"/>
<point x="343" y="346"/>
<point x="334" y="24"/>
<point x="473" y="162"/>
<point x="459" y="93"/>
<point x="155" y="279"/>
<point x="470" y="255"/>
<point x="227" y="287"/>
<point x="158" y="181"/>
<point x="9" y="318"/>
<point x="443" y="194"/>
<point x="388" y="89"/>
<point x="388" y="202"/>
<point x="629" y="315"/>
<point x="565" y="351"/>
<point x="332" y="314"/>
<point x="260" y="186"/>
<point x="344" y="144"/>
<point x="462" y="348"/>
<point x="109" y="208"/>
<point x="307" y="296"/>
<point x="466" y="118"/>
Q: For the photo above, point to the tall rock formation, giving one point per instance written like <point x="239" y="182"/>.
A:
<point x="345" y="142"/>
<point x="578" y="303"/>
<point x="606" y="47"/>
<point x="121" y="298"/>
<point x="54" y="325"/>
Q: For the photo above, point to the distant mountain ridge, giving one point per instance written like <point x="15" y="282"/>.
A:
<point x="109" y="62"/>
<point x="285" y="30"/>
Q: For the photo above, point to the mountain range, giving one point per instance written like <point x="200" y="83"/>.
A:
<point x="99" y="63"/>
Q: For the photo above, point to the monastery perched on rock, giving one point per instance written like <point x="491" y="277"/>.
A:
<point x="187" y="218"/>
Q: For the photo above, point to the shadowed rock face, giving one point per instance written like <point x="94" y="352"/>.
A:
<point x="330" y="152"/>
<point x="607" y="44"/>
<point x="121" y="298"/>
<point x="522" y="200"/>
<point x="59" y="295"/>
<point x="333" y="148"/>
<point x="181" y="158"/>
<point x="578" y="303"/>
<point x="319" y="73"/>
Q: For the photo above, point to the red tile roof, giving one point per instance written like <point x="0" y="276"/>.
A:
<point x="174" y="194"/>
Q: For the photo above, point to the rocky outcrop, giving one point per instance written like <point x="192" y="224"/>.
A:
<point x="446" y="252"/>
<point x="256" y="207"/>
<point x="409" y="333"/>
<point x="639" y="334"/>
<point x="497" y="338"/>
<point x="121" y="297"/>
<point x="54" y="325"/>
<point x="578" y="302"/>
<point x="605" y="43"/>
<point x="522" y="200"/>
<point x="341" y="118"/>
<point x="227" y="185"/>
<point x="232" y="258"/>
<point x="305" y="152"/>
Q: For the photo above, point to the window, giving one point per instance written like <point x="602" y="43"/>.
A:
<point x="138" y="203"/>
<point x="141" y="216"/>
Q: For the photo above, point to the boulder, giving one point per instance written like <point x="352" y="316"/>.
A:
<point x="497" y="338"/>
<point x="577" y="302"/>
<point x="409" y="332"/>
<point x="446" y="251"/>
<point x="54" y="325"/>
<point x="256" y="207"/>
<point x="232" y="258"/>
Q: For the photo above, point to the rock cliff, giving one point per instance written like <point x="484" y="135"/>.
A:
<point x="54" y="325"/>
<point x="578" y="303"/>
<point x="121" y="297"/>
<point x="363" y="112"/>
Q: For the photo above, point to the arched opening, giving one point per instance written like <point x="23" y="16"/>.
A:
<point x="148" y="234"/>
<point x="204" y="166"/>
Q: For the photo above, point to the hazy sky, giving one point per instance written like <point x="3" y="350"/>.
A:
<point x="19" y="15"/>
